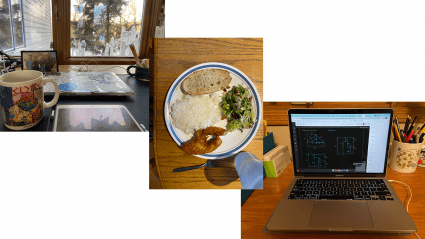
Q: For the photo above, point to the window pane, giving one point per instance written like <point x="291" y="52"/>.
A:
<point x="31" y="22"/>
<point x="5" y="29"/>
<point x="37" y="17"/>
<point x="105" y="28"/>
<point x="17" y="23"/>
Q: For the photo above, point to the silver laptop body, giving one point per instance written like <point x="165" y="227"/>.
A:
<point x="335" y="152"/>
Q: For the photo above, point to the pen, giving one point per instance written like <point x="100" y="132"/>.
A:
<point x="415" y="135"/>
<point x="402" y="136"/>
<point x="412" y="125"/>
<point x="423" y="126"/>
<point x="406" y="125"/>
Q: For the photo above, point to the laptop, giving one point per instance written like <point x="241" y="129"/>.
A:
<point x="340" y="160"/>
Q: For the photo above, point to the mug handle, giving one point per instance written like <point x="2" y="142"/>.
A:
<point x="55" y="99"/>
<point x="128" y="71"/>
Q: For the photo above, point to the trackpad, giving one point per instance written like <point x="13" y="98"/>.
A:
<point x="341" y="214"/>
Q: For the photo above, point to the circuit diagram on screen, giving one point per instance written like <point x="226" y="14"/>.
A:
<point x="314" y="141"/>
<point x="345" y="145"/>
<point x="317" y="160"/>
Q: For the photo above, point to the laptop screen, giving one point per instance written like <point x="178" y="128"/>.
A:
<point x="340" y="143"/>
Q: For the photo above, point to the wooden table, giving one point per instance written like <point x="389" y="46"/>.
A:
<point x="171" y="57"/>
<point x="259" y="206"/>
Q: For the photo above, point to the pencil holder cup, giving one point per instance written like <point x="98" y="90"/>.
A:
<point x="404" y="157"/>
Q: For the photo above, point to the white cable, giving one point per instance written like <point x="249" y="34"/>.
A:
<point x="411" y="195"/>
<point x="407" y="206"/>
<point x="81" y="67"/>
<point x="114" y="67"/>
<point x="87" y="64"/>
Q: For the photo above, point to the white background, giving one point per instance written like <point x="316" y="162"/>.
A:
<point x="81" y="185"/>
<point x="96" y="185"/>
<point x="326" y="50"/>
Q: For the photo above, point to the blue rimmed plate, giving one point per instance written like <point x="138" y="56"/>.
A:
<point x="233" y="142"/>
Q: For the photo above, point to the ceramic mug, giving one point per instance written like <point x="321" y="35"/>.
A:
<point x="404" y="157"/>
<point x="140" y="73"/>
<point x="22" y="98"/>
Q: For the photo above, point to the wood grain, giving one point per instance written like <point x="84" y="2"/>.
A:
<point x="276" y="113"/>
<point x="171" y="58"/>
<point x="259" y="206"/>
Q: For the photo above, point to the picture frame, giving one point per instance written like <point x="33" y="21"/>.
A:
<point x="44" y="61"/>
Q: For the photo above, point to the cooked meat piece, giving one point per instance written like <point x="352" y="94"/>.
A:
<point x="200" y="145"/>
<point x="216" y="131"/>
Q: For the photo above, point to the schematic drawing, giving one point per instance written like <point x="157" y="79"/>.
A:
<point x="313" y="140"/>
<point x="345" y="145"/>
<point x="317" y="160"/>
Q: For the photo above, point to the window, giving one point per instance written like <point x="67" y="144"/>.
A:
<point x="101" y="30"/>
<point x="25" y="25"/>
<point x="105" y="28"/>
<point x="11" y="27"/>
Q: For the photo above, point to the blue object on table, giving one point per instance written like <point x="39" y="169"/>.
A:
<point x="250" y="170"/>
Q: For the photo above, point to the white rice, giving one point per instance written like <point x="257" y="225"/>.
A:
<point x="196" y="112"/>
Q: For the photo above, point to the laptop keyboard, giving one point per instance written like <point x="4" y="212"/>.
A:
<point x="337" y="189"/>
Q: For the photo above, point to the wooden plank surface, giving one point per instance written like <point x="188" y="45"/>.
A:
<point x="276" y="113"/>
<point x="171" y="58"/>
<point x="259" y="206"/>
<point x="404" y="109"/>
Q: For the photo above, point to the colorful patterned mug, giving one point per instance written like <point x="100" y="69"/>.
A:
<point x="22" y="98"/>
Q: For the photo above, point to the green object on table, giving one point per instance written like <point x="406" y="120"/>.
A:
<point x="269" y="168"/>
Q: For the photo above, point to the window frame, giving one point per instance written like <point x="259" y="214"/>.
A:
<point x="12" y="29"/>
<point x="61" y="21"/>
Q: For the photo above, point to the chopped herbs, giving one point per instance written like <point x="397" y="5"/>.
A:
<point x="236" y="105"/>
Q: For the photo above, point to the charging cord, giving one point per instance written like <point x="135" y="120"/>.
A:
<point x="81" y="68"/>
<point x="408" y="201"/>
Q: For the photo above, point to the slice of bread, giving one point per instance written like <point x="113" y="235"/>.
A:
<point x="206" y="81"/>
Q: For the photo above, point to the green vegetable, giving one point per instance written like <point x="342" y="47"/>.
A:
<point x="236" y="105"/>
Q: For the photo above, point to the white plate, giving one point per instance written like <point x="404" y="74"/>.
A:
<point x="234" y="141"/>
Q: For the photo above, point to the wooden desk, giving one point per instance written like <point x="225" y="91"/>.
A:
<point x="171" y="57"/>
<point x="259" y="206"/>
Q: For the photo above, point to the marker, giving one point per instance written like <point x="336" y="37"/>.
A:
<point x="410" y="136"/>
